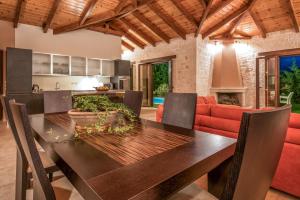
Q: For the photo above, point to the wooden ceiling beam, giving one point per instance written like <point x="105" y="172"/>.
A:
<point x="107" y="30"/>
<point x="51" y="15"/>
<point x="168" y="20"/>
<point x="137" y="31"/>
<point x="242" y="33"/>
<point x="127" y="46"/>
<point x="203" y="17"/>
<point x="203" y="4"/>
<point x="293" y="15"/>
<point x="258" y="24"/>
<point x="235" y="23"/>
<point x="152" y="27"/>
<point x="120" y="6"/>
<point x="102" y="18"/>
<point x="229" y="38"/>
<point x="228" y="19"/>
<point x="129" y="36"/>
<point x="219" y="7"/>
<point x="186" y="14"/>
<point x="87" y="11"/>
<point x="19" y="10"/>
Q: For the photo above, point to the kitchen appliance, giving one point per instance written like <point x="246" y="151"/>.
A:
<point x="124" y="83"/>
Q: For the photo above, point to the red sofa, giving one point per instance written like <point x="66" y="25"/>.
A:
<point x="225" y="120"/>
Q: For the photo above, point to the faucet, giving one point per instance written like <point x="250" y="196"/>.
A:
<point x="57" y="86"/>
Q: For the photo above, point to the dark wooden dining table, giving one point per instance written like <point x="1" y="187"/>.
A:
<point x="153" y="161"/>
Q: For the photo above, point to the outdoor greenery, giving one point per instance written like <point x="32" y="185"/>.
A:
<point x="290" y="82"/>
<point x="123" y="121"/>
<point x="160" y="79"/>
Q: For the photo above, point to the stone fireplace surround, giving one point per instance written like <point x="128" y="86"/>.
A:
<point x="240" y="91"/>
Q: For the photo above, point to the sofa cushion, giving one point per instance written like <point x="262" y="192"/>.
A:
<point x="203" y="120"/>
<point x="211" y="100"/>
<point x="159" y="113"/>
<point x="225" y="124"/>
<point x="228" y="112"/>
<point x="293" y="136"/>
<point x="294" y="120"/>
<point x="201" y="100"/>
<point x="203" y="109"/>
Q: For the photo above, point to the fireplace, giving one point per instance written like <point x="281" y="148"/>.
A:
<point x="230" y="96"/>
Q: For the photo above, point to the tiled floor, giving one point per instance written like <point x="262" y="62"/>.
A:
<point x="8" y="159"/>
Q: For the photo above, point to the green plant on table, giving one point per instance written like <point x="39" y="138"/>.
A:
<point x="123" y="122"/>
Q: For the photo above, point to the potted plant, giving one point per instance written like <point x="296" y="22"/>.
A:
<point x="96" y="114"/>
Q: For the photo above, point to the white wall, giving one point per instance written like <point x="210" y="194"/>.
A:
<point x="77" y="43"/>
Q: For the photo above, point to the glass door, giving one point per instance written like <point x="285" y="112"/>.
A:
<point x="272" y="82"/>
<point x="145" y="83"/>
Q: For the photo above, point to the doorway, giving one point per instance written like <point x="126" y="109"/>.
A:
<point x="155" y="81"/>
<point x="278" y="79"/>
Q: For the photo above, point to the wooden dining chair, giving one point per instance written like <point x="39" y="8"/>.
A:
<point x="23" y="171"/>
<point x="57" y="101"/>
<point x="257" y="154"/>
<point x="133" y="100"/>
<point x="42" y="188"/>
<point x="179" y="109"/>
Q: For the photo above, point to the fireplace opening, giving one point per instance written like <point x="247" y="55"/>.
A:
<point x="229" y="98"/>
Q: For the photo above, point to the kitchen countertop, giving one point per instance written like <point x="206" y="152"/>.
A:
<point x="93" y="92"/>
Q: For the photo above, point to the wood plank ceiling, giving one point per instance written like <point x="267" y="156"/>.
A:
<point x="147" y="22"/>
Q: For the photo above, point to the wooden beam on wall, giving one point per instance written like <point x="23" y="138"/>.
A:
<point x="51" y="15"/>
<point x="293" y="15"/>
<point x="102" y="18"/>
<point x="19" y="10"/>
<point x="107" y="30"/>
<point x="228" y="19"/>
<point x="152" y="27"/>
<point x="203" y="17"/>
<point x="186" y="14"/>
<point x="137" y="31"/>
<point x="87" y="11"/>
<point x="168" y="20"/>
<point x="258" y="24"/>
<point x="127" y="46"/>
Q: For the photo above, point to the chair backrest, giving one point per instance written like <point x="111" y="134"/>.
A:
<point x="257" y="154"/>
<point x="41" y="184"/>
<point x="133" y="100"/>
<point x="8" y="115"/>
<point x="57" y="101"/>
<point x="179" y="109"/>
<point x="289" y="99"/>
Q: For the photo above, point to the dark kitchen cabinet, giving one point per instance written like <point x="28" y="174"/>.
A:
<point x="1" y="81"/>
<point x="18" y="70"/>
<point x="122" y="68"/>
<point x="34" y="102"/>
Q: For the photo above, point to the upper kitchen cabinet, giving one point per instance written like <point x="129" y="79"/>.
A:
<point x="108" y="68"/>
<point x="122" y="68"/>
<point x="61" y="65"/>
<point x="78" y="66"/>
<point x="41" y="64"/>
<point x="18" y="70"/>
<point x="94" y="67"/>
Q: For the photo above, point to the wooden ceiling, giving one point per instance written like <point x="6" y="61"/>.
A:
<point x="147" y="22"/>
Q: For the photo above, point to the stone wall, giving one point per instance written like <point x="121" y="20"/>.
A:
<point x="193" y="66"/>
<point x="184" y="70"/>
<point x="247" y="53"/>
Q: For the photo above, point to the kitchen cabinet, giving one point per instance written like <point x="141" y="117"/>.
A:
<point x="122" y="67"/>
<point x="108" y="68"/>
<point x="61" y="65"/>
<point x="78" y="66"/>
<point x="41" y="64"/>
<point x="93" y="67"/>
<point x="34" y="102"/>
<point x="18" y="70"/>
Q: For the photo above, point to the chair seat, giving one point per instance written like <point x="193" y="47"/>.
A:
<point x="48" y="164"/>
<point x="193" y="192"/>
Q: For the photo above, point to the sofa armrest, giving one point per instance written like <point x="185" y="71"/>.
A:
<point x="159" y="113"/>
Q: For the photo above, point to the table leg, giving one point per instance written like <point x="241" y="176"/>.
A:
<point x="21" y="177"/>
<point x="217" y="178"/>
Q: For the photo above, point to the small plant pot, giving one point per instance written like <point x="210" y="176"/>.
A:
<point x="83" y="119"/>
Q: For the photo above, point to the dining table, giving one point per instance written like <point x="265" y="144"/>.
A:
<point x="152" y="161"/>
